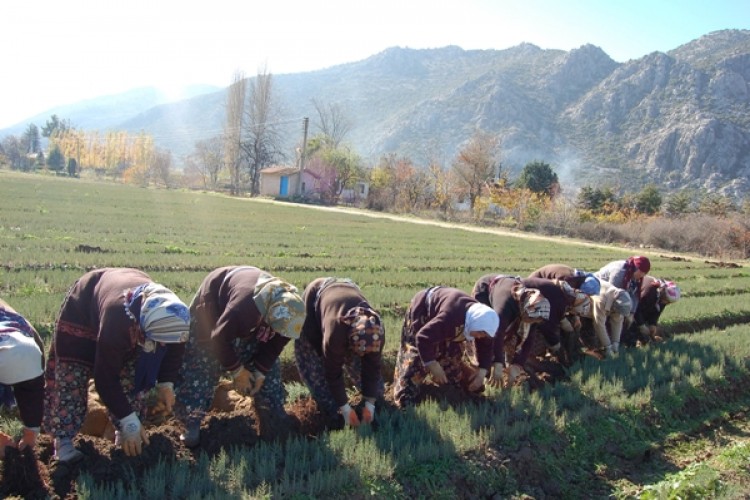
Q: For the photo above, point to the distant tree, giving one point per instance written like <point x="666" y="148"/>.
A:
<point x="31" y="139"/>
<point x="161" y="166"/>
<point x="261" y="141"/>
<point x="208" y="160"/>
<point x="538" y="177"/>
<point x="332" y="124"/>
<point x="598" y="200"/>
<point x="55" y="160"/>
<point x="476" y="164"/>
<point x="716" y="204"/>
<point x="648" y="201"/>
<point x="339" y="168"/>
<point x="235" y="111"/>
<point x="13" y="151"/>
<point x="680" y="202"/>
<point x="55" y="125"/>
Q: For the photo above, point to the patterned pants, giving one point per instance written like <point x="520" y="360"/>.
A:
<point x="410" y="373"/>
<point x="201" y="371"/>
<point x="312" y="372"/>
<point x="66" y="395"/>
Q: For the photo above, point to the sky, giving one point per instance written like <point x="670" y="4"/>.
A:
<point x="61" y="52"/>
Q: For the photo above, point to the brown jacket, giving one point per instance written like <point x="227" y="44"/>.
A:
<point x="224" y="310"/>
<point x="330" y="337"/>
<point x="93" y="329"/>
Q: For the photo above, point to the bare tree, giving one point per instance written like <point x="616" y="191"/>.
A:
<point x="261" y="140"/>
<point x="476" y="163"/>
<point x="161" y="166"/>
<point x="208" y="161"/>
<point x="333" y="123"/>
<point x="233" y="129"/>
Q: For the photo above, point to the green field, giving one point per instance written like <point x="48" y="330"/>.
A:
<point x="611" y="430"/>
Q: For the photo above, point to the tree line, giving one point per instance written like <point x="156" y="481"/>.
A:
<point x="474" y="185"/>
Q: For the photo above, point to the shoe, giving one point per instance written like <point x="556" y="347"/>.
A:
<point x="66" y="452"/>
<point x="192" y="435"/>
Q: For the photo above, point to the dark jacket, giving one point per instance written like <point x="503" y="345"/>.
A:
<point x="93" y="329"/>
<point x="650" y="305"/>
<point x="330" y="337"/>
<point x="229" y="299"/>
<point x="443" y="311"/>
<point x="560" y="272"/>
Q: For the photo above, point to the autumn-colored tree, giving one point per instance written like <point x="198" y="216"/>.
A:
<point x="522" y="204"/>
<point x="477" y="164"/>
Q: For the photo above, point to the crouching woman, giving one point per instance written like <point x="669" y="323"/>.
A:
<point x="438" y="322"/>
<point x="342" y="334"/>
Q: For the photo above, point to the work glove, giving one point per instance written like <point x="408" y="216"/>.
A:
<point x="28" y="438"/>
<point x="496" y="380"/>
<point x="514" y="374"/>
<point x="165" y="396"/>
<point x="368" y="413"/>
<point x="653" y="332"/>
<point x="350" y="416"/>
<point x="615" y="347"/>
<point x="644" y="330"/>
<point x="438" y="375"/>
<point x="131" y="435"/>
<point x="555" y="348"/>
<point x="477" y="381"/>
<point x="5" y="440"/>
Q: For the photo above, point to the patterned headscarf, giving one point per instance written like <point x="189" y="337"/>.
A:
<point x="367" y="333"/>
<point x="535" y="305"/>
<point x="669" y="291"/>
<point x="280" y="305"/>
<point x="481" y="318"/>
<point x="164" y="317"/>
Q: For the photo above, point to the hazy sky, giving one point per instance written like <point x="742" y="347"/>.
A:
<point x="60" y="52"/>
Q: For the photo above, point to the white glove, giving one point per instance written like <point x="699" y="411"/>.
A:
<point x="131" y="435"/>
<point x="477" y="382"/>
<point x="437" y="372"/>
<point x="498" y="370"/>
<point x="350" y="416"/>
<point x="368" y="413"/>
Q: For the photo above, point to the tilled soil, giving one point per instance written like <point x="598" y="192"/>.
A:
<point x="233" y="421"/>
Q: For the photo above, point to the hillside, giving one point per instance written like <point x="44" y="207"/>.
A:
<point x="679" y="119"/>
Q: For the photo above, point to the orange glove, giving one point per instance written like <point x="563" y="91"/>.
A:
<point x="368" y="413"/>
<point x="165" y="396"/>
<point x="29" y="438"/>
<point x="5" y="440"/>
<point x="350" y="416"/>
<point x="242" y="380"/>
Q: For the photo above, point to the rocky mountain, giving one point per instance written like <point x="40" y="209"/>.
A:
<point x="679" y="119"/>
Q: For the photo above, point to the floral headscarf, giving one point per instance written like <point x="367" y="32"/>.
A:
<point x="367" y="333"/>
<point x="280" y="305"/>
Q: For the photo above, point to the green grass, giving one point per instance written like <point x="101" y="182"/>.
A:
<point x="586" y="437"/>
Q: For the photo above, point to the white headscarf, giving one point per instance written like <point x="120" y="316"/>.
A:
<point x="20" y="357"/>
<point x="480" y="318"/>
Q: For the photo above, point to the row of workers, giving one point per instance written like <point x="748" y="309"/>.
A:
<point x="130" y="335"/>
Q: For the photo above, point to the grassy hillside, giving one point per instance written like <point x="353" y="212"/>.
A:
<point x="668" y="419"/>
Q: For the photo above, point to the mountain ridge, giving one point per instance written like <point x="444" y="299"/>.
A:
<point x="679" y="119"/>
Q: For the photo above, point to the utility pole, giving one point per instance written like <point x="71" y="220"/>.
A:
<point x="305" y="123"/>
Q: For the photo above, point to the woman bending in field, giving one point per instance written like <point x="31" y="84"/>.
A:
<point x="128" y="333"/>
<point x="21" y="367"/>
<point x="242" y="318"/>
<point x="437" y="324"/>
<point x="342" y="333"/>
